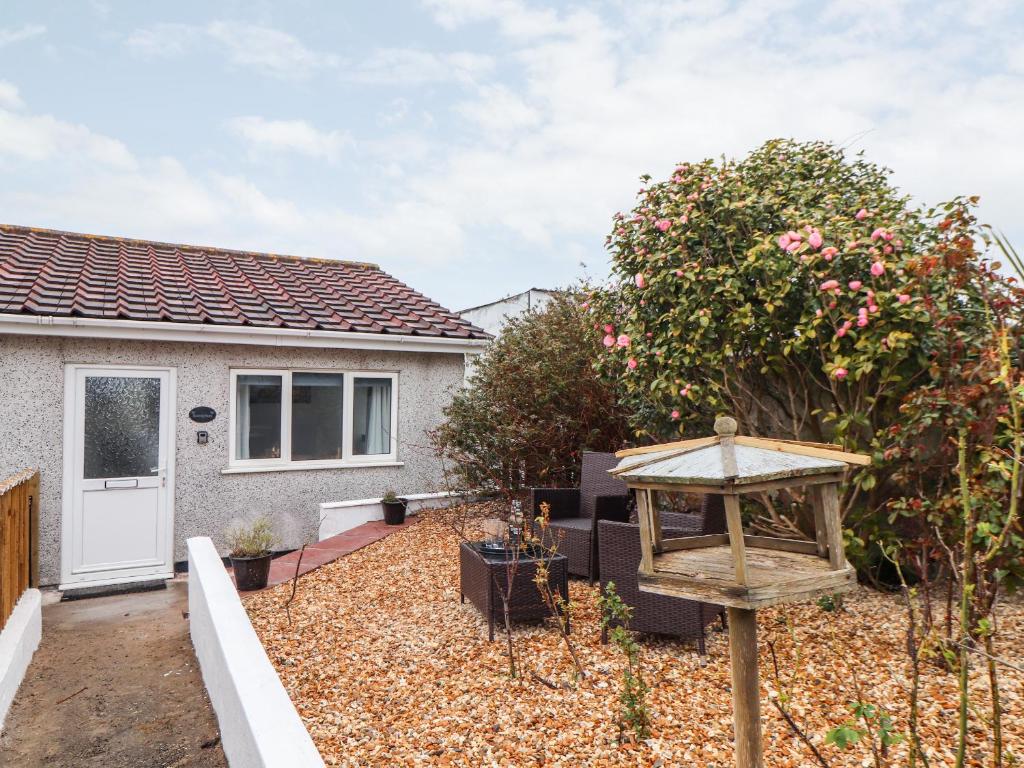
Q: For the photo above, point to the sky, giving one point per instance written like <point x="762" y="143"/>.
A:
<point x="476" y="148"/>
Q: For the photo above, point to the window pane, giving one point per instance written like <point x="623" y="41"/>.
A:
<point x="258" y="427"/>
<point x="122" y="426"/>
<point x="316" y="416"/>
<point x="371" y="417"/>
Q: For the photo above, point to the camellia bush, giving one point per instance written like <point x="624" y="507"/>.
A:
<point x="534" y="403"/>
<point x="795" y="289"/>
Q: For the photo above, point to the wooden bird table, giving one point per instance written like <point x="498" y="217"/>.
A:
<point x="740" y="571"/>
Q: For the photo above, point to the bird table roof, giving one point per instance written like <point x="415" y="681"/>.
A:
<point x="735" y="460"/>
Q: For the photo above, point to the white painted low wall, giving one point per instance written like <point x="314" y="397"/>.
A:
<point x="18" y="641"/>
<point x="259" y="726"/>
<point x="340" y="516"/>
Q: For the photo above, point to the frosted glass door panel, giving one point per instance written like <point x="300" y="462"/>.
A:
<point x="122" y="426"/>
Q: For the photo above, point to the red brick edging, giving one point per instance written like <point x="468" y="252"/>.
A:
<point x="282" y="569"/>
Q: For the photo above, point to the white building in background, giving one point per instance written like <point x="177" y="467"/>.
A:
<point x="493" y="315"/>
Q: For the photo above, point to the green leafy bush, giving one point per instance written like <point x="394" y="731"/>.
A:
<point x="533" y="404"/>
<point x="793" y="289"/>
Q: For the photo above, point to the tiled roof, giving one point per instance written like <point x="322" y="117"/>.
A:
<point x="47" y="272"/>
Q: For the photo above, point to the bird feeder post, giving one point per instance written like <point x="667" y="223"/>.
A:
<point x="746" y="692"/>
<point x="742" y="572"/>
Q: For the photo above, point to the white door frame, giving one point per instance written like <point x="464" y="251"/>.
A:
<point x="70" y="580"/>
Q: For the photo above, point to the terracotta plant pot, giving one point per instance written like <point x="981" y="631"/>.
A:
<point x="251" y="572"/>
<point x="394" y="511"/>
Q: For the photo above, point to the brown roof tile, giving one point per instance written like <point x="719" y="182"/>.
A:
<point x="47" y="272"/>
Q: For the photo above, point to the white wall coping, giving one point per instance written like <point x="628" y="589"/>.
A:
<point x="18" y="641"/>
<point x="259" y="725"/>
<point x="379" y="499"/>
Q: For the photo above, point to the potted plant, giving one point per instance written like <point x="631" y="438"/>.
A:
<point x="394" y="508"/>
<point x="250" y="552"/>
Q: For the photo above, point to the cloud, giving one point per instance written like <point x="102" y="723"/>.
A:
<point x="269" y="50"/>
<point x="403" y="66"/>
<point x="297" y="136"/>
<point x="281" y="55"/>
<point x="28" y="31"/>
<point x="162" y="40"/>
<point x="244" y="45"/>
<point x="36" y="138"/>
<point x="9" y="97"/>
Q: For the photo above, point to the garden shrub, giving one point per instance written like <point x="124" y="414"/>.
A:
<point x="534" y="403"/>
<point x="795" y="289"/>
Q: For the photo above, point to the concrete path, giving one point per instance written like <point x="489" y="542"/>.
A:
<point x="282" y="569"/>
<point x="115" y="683"/>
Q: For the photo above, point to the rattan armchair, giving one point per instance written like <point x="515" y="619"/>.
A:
<point x="619" y="545"/>
<point x="575" y="511"/>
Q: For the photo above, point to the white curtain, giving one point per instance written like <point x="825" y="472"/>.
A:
<point x="375" y="416"/>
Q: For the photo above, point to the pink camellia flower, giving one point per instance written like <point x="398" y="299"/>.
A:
<point x="871" y="294"/>
<point x="829" y="252"/>
<point x="683" y="219"/>
<point x="837" y="291"/>
<point x="832" y="305"/>
<point x="878" y="233"/>
<point x="794" y="235"/>
<point x="609" y="328"/>
<point x="623" y="340"/>
<point x="855" y="285"/>
<point x="897" y="243"/>
<point x="841" y="331"/>
<point x="878" y="269"/>
<point x="649" y="335"/>
<point x="663" y="225"/>
<point x="887" y="235"/>
<point x="860" y="216"/>
<point x="815" y="239"/>
<point x="675" y="414"/>
<point x="631" y="363"/>
<point x="793" y="246"/>
<point x="903" y="298"/>
<point x="817" y="313"/>
<point x="784" y="241"/>
<point x="873" y="308"/>
<point x="839" y="373"/>
<point x="887" y="249"/>
<point x="679" y="273"/>
<point x="862" y="321"/>
<point x="586" y="305"/>
<point x="640" y="280"/>
<point x="828" y="285"/>
<point x="609" y="340"/>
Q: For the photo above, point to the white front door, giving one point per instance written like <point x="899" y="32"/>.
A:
<point x="119" y="458"/>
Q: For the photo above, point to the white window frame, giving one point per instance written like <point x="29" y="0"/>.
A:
<point x="348" y="402"/>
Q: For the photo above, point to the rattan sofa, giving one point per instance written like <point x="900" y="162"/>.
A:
<point x="574" y="511"/>
<point x="619" y="545"/>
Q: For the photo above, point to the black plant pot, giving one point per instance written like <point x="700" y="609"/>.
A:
<point x="251" y="572"/>
<point x="394" y="511"/>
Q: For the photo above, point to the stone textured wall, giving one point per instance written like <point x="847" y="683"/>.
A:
<point x="206" y="501"/>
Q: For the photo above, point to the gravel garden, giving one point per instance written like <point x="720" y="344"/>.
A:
<point x="387" y="667"/>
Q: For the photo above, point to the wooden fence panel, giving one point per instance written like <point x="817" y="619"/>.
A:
<point x="19" y="520"/>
